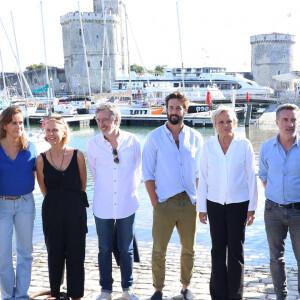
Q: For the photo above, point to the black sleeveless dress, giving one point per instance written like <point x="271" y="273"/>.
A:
<point x="65" y="226"/>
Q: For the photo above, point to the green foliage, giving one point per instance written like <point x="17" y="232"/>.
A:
<point x="159" y="68"/>
<point x="136" y="68"/>
<point x="139" y="69"/>
<point x="35" y="67"/>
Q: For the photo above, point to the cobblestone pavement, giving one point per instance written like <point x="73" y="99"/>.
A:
<point x="258" y="283"/>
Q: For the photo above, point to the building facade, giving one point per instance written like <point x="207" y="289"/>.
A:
<point x="272" y="54"/>
<point x="36" y="80"/>
<point x="105" y="45"/>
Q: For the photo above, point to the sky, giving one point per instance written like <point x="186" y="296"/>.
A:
<point x="213" y="33"/>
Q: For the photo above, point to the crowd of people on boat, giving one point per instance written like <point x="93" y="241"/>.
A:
<point x="185" y="179"/>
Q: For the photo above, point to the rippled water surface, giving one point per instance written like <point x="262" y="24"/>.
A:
<point x="256" y="246"/>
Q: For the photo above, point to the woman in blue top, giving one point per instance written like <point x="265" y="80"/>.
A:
<point x="17" y="209"/>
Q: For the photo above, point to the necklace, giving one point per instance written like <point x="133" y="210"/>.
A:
<point x="62" y="161"/>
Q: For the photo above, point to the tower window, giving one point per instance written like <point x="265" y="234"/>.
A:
<point x="278" y="72"/>
<point x="100" y="63"/>
<point x="80" y="31"/>
<point x="97" y="36"/>
<point x="89" y="63"/>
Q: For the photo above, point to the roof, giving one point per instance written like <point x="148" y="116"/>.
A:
<point x="287" y="76"/>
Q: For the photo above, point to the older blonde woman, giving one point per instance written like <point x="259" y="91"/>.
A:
<point x="227" y="195"/>
<point x="62" y="178"/>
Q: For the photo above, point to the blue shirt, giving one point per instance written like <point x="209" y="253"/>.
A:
<point x="281" y="171"/>
<point x="17" y="176"/>
<point x="173" y="170"/>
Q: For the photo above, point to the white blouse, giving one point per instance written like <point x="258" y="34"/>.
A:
<point x="227" y="178"/>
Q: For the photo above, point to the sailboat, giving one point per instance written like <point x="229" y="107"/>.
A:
<point x="28" y="104"/>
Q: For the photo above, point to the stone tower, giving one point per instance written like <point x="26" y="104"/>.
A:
<point x="114" y="64"/>
<point x="272" y="54"/>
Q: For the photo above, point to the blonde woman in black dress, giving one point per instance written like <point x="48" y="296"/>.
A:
<point x="62" y="179"/>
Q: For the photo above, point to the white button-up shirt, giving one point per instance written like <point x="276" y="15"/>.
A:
<point x="227" y="178"/>
<point x="115" y="185"/>
<point x="173" y="170"/>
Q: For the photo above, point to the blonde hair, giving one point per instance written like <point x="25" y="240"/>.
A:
<point x="6" y="117"/>
<point x="221" y="109"/>
<point x="60" y="120"/>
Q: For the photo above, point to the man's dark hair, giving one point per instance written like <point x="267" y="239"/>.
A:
<point x="287" y="106"/>
<point x="181" y="97"/>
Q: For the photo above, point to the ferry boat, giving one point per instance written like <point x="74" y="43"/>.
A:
<point x="157" y="91"/>
<point x="194" y="78"/>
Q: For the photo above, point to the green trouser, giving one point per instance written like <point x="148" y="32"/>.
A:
<point x="180" y="212"/>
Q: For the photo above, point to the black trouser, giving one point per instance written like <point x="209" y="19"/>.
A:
<point x="227" y="230"/>
<point x="64" y="225"/>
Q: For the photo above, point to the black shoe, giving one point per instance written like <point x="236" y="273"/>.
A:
<point x="187" y="295"/>
<point x="157" y="296"/>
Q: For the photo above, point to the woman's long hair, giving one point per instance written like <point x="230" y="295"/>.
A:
<point x="5" y="118"/>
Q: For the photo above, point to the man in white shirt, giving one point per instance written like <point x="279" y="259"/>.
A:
<point x="170" y="172"/>
<point x="114" y="157"/>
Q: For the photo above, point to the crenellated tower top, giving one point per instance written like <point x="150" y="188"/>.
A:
<point x="112" y="6"/>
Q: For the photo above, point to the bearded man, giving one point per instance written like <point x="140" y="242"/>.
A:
<point x="171" y="159"/>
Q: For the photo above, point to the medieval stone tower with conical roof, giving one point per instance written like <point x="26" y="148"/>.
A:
<point x="105" y="45"/>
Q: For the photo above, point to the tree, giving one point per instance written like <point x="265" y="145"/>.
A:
<point x="159" y="69"/>
<point x="136" y="68"/>
<point x="35" y="67"/>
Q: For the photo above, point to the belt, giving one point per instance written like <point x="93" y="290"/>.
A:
<point x="295" y="205"/>
<point x="10" y="197"/>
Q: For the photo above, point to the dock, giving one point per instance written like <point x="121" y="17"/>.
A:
<point x="199" y="119"/>
<point x="82" y="120"/>
<point x="194" y="120"/>
<point x="268" y="118"/>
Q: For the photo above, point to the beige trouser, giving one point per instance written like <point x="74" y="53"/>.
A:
<point x="180" y="212"/>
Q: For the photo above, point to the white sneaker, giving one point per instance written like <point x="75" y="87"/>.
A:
<point x="104" y="296"/>
<point x="129" y="295"/>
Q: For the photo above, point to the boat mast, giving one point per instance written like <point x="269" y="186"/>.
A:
<point x="47" y="73"/>
<point x="130" y="84"/>
<point x="104" y="12"/>
<point x="12" y="50"/>
<point x="18" y="58"/>
<point x="109" y="66"/>
<point x="85" y="54"/>
<point x="3" y="77"/>
<point x="182" y="74"/>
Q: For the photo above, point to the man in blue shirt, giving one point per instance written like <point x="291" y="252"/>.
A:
<point x="171" y="159"/>
<point x="279" y="171"/>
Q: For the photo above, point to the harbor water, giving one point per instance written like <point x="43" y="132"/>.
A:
<point x="256" y="245"/>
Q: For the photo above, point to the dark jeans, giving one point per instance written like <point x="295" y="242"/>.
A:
<point x="227" y="229"/>
<point x="278" y="221"/>
<point x="105" y="232"/>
